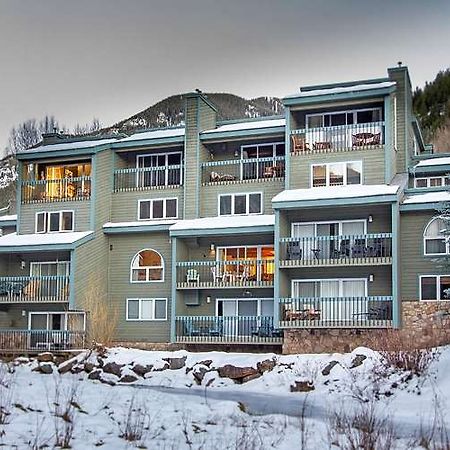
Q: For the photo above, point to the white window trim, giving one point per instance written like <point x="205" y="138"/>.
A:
<point x="339" y="222"/>
<point x="443" y="237"/>
<point x="47" y="221"/>
<point x="152" y="200"/>
<point x="344" y="111"/>
<point x="166" y="164"/>
<point x="438" y="288"/>
<point x="140" y="300"/>
<point x="428" y="180"/>
<point x="258" y="308"/>
<point x="327" y="173"/>
<point x="340" y="280"/>
<point x="247" y="203"/>
<point x="147" y="268"/>
<point x="65" y="315"/>
<point x="267" y="144"/>
<point x="37" y="263"/>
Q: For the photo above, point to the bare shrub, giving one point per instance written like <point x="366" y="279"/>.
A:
<point x="7" y="375"/>
<point x="303" y="426"/>
<point x="38" y="440"/>
<point x="103" y="319"/>
<point x="135" y="423"/>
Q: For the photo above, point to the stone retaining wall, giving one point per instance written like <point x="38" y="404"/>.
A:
<point x="425" y="323"/>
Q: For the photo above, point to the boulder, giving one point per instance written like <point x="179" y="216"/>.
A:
<point x="302" y="386"/>
<point x="235" y="373"/>
<point x="114" y="368"/>
<point x="160" y="369"/>
<point x="88" y="367"/>
<point x="266" y="366"/>
<point x="141" y="370"/>
<point x="45" y="357"/>
<point x="95" y="375"/>
<point x="46" y="368"/>
<point x="199" y="373"/>
<point x="175" y="363"/>
<point x="206" y="362"/>
<point x="357" y="361"/>
<point x="77" y="369"/>
<point x="67" y="366"/>
<point x="128" y="378"/>
<point x="327" y="369"/>
<point x="107" y="381"/>
<point x="250" y="377"/>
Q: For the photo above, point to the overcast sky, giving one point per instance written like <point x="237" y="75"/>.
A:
<point x="109" y="59"/>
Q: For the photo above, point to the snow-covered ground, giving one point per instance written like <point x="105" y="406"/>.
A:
<point x="175" y="408"/>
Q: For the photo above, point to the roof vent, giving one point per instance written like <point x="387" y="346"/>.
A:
<point x="399" y="64"/>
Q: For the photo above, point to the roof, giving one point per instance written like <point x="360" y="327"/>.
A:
<point x="8" y="218"/>
<point x="36" y="241"/>
<point x="72" y="145"/>
<point x="140" y="223"/>
<point x="140" y="226"/>
<point x="248" y="125"/>
<point x="342" y="89"/>
<point x="336" y="192"/>
<point x="154" y="134"/>
<point x="445" y="160"/>
<point x="429" y="197"/>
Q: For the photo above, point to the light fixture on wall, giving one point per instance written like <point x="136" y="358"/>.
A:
<point x="212" y="250"/>
<point x="370" y="218"/>
<point x="236" y="153"/>
<point x="208" y="299"/>
<point x="23" y="264"/>
<point x="24" y="313"/>
<point x="371" y="277"/>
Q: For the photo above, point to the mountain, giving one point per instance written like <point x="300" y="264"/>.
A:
<point x="170" y="111"/>
<point x="8" y="176"/>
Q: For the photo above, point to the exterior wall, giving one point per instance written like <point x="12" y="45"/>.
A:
<point x="16" y="316"/>
<point x="81" y="211"/>
<point x="10" y="263"/>
<point x="125" y="204"/>
<point x="124" y="247"/>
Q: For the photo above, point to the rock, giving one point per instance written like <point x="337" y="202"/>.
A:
<point x="128" y="379"/>
<point x="266" y="366"/>
<point x="46" y="368"/>
<point x="327" y="369"/>
<point x="251" y="377"/>
<point x="107" y="381"/>
<point x="302" y="386"/>
<point x="357" y="361"/>
<point x="113" y="368"/>
<point x="175" y="363"/>
<point x="206" y="362"/>
<point x="45" y="357"/>
<point x="235" y="373"/>
<point x="67" y="366"/>
<point x="77" y="369"/>
<point x="160" y="369"/>
<point x="88" y="367"/>
<point x="199" y="374"/>
<point x="95" y="375"/>
<point x="140" y="370"/>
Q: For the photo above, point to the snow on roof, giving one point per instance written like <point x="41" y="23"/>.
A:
<point x="9" y="218"/>
<point x="434" y="162"/>
<point x="224" y="222"/>
<point x="429" y="197"/>
<point x="343" y="89"/>
<point x="323" y="193"/>
<point x="139" y="223"/>
<point x="250" y="125"/>
<point x="154" y="134"/>
<point x="76" y="145"/>
<point x="19" y="240"/>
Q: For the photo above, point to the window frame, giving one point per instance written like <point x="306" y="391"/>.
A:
<point x="424" y="240"/>
<point x="151" y="201"/>
<point x="140" y="301"/>
<point x="166" y="166"/>
<point x="344" y="111"/>
<point x="339" y="280"/>
<point x="47" y="221"/>
<point x="428" y="180"/>
<point x="327" y="173"/>
<point x="438" y="288"/>
<point x="247" y="203"/>
<point x="325" y="222"/>
<point x="147" y="268"/>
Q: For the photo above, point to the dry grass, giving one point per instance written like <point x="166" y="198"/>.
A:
<point x="102" y="319"/>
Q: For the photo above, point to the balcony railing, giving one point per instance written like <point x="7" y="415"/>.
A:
<point x="337" y="138"/>
<point x="242" y="170"/>
<point x="227" y="329"/>
<point x="365" y="249"/>
<point x="142" y="178"/>
<point x="336" y="312"/>
<point x="64" y="189"/>
<point x="225" y="274"/>
<point x="41" y="340"/>
<point x="52" y="289"/>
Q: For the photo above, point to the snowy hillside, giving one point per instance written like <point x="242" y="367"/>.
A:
<point x="122" y="398"/>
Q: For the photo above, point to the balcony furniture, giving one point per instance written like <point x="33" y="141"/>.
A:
<point x="309" y="312"/>
<point x="190" y="329"/>
<point x="218" y="275"/>
<point x="299" y="144"/>
<point x="12" y="287"/>
<point x="192" y="276"/>
<point x="266" y="329"/>
<point x="359" y="249"/>
<point x="362" y="139"/>
<point x="343" y="251"/>
<point x="215" y="177"/>
<point x="316" y="253"/>
<point x="294" y="252"/>
<point x="325" y="145"/>
<point x="243" y="276"/>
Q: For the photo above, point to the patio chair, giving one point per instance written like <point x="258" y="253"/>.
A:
<point x="218" y="275"/>
<point x="216" y="328"/>
<point x="192" y="276"/>
<point x="294" y="251"/>
<point x="190" y="329"/>
<point x="359" y="248"/>
<point x="362" y="139"/>
<point x="344" y="249"/>
<point x="243" y="276"/>
<point x="325" y="145"/>
<point x="299" y="144"/>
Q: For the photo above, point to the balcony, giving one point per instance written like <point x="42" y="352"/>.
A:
<point x="34" y="289"/>
<point x="59" y="190"/>
<point x="336" y="312"/>
<point x="227" y="329"/>
<point x="225" y="274"/>
<point x="41" y="340"/>
<point x="143" y="178"/>
<point x="331" y="251"/>
<point x="337" y="138"/>
<point x="243" y="170"/>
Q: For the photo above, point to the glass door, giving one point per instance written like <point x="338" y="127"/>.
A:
<point x="54" y="283"/>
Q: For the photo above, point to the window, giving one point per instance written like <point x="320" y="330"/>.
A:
<point x="435" y="237"/>
<point x="158" y="208"/>
<point x="336" y="174"/>
<point x="435" y="287"/>
<point x="330" y="288"/>
<point x="262" y="161"/>
<point x="159" y="169"/>
<point x="147" y="266"/>
<point x="335" y="118"/>
<point x="146" y="309"/>
<point x="427" y="182"/>
<point x="240" y="204"/>
<point x="54" y="221"/>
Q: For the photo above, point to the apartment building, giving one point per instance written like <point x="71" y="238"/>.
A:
<point x="305" y="232"/>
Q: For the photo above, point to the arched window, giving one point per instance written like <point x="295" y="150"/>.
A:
<point x="436" y="236"/>
<point x="147" y="266"/>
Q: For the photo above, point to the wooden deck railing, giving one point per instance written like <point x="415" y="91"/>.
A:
<point x="64" y="189"/>
<point x="137" y="179"/>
